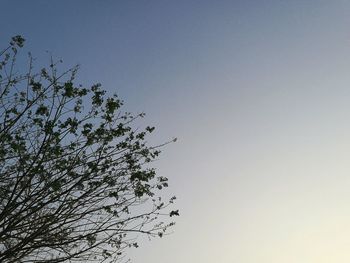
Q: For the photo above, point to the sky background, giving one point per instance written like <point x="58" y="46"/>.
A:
<point x="258" y="94"/>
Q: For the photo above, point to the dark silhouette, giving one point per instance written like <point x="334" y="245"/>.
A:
<point x="75" y="180"/>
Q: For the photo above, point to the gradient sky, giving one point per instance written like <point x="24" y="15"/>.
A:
<point x="258" y="94"/>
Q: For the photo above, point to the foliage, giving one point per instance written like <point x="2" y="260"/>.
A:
<point x="75" y="179"/>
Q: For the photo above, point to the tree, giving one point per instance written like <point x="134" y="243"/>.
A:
<point x="75" y="177"/>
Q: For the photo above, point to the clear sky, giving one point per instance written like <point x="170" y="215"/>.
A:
<point x="258" y="94"/>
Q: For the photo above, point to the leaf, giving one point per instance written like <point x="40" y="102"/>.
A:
<point x="174" y="213"/>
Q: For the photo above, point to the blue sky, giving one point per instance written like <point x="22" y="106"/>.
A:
<point x="257" y="93"/>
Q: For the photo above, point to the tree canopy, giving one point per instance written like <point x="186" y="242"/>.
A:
<point x="76" y="181"/>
